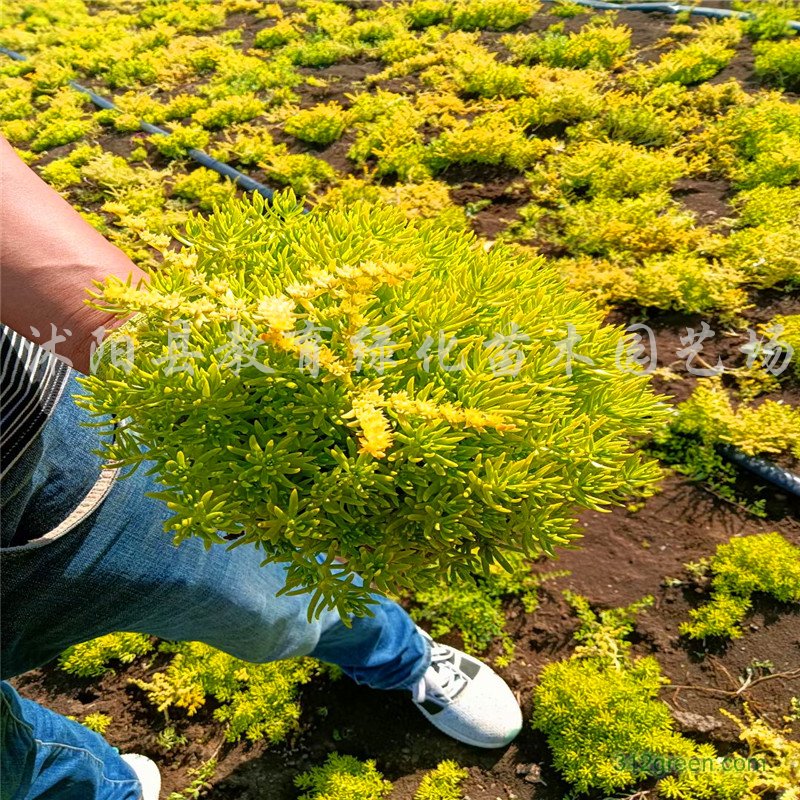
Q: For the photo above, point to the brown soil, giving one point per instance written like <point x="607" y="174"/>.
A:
<point x="708" y="199"/>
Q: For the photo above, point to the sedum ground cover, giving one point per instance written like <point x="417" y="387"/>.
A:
<point x="540" y="126"/>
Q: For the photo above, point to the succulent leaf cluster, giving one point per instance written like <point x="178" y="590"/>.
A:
<point x="343" y="777"/>
<point x="766" y="563"/>
<point x="346" y="433"/>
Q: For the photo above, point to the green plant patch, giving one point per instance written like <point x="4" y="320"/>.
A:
<point x="91" y="659"/>
<point x="598" y="45"/>
<point x="255" y="701"/>
<point x="343" y="778"/>
<point x="321" y="125"/>
<point x="768" y="19"/>
<point x="442" y="783"/>
<point x="699" y="59"/>
<point x="778" y="63"/>
<point x="765" y="563"/>
<point x="498" y="15"/>
<point x="477" y="612"/>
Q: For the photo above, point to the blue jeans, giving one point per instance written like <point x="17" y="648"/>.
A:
<point x="93" y="558"/>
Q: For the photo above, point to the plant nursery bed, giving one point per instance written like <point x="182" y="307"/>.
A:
<point x="652" y="160"/>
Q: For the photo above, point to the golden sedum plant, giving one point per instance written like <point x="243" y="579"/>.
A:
<point x="399" y="397"/>
<point x="769" y="427"/>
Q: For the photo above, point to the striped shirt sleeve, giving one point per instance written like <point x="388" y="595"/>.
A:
<point x="31" y="381"/>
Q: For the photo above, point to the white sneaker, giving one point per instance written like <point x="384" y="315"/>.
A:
<point x="466" y="699"/>
<point x="147" y="773"/>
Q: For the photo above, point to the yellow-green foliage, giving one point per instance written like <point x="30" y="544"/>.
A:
<point x="710" y="776"/>
<point x="787" y="329"/>
<point x="768" y="18"/>
<point x="599" y="44"/>
<point x="401" y="48"/>
<point x="645" y="248"/>
<point x="61" y="174"/>
<point x="595" y="715"/>
<point x="762" y="247"/>
<point x="558" y="96"/>
<point x="777" y="754"/>
<point x="408" y="469"/>
<point x="757" y="141"/>
<point x="648" y="224"/>
<point x="301" y="172"/>
<point x="90" y="659"/>
<point x="600" y="710"/>
<point x="700" y="59"/>
<point x="615" y="169"/>
<point x="425" y="200"/>
<point x="498" y="15"/>
<point x="607" y="280"/>
<point x="686" y="282"/>
<point x="491" y="139"/>
<point x="282" y="32"/>
<point x="765" y="255"/>
<point x="182" y="105"/>
<point x="767" y="205"/>
<point x="373" y="29"/>
<point x="182" y="139"/>
<point x="475" y="72"/>
<point x="320" y="53"/>
<point x="244" y="143"/>
<point x="130" y="189"/>
<point x="778" y="63"/>
<point x="424" y="13"/>
<point x="477" y="611"/>
<point x="19" y="132"/>
<point x="708" y="414"/>
<point x="765" y="563"/>
<point x="601" y="634"/>
<point x="136" y="197"/>
<point x="200" y="783"/>
<point x="227" y="110"/>
<point x="187" y="16"/>
<point x="608" y="730"/>
<point x="15" y="99"/>
<point x="97" y="722"/>
<point x="392" y="139"/>
<point x="567" y="9"/>
<point x="633" y="119"/>
<point x="240" y="76"/>
<point x="66" y="119"/>
<point x="205" y="187"/>
<point x="442" y="783"/>
<point x="256" y="701"/>
<point x="321" y="125"/>
<point x="135" y="106"/>
<point x="343" y="778"/>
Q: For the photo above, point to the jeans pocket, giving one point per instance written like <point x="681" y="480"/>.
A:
<point x="91" y="501"/>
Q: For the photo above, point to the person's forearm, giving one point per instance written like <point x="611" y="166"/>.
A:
<point x="49" y="256"/>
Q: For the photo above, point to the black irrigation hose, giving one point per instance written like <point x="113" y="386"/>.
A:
<point x="771" y="472"/>
<point x="239" y="178"/>
<point x="672" y="8"/>
<point x="782" y="478"/>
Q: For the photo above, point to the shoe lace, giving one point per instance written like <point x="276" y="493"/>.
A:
<point x="443" y="680"/>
